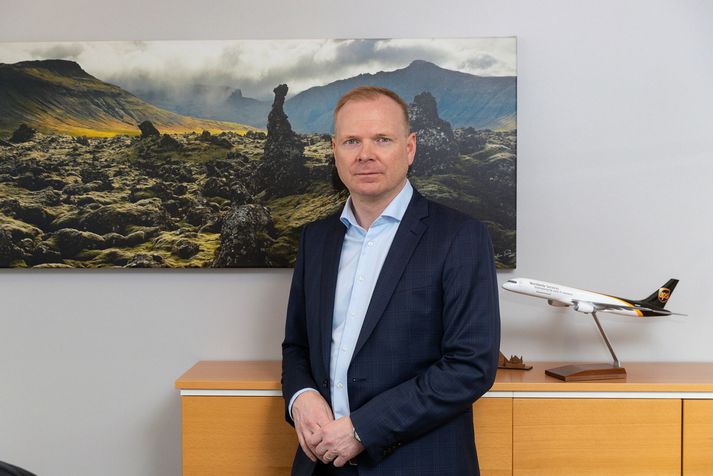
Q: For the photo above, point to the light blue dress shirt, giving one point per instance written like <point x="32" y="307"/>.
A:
<point x="363" y="254"/>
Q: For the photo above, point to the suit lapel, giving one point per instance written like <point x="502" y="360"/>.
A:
<point x="407" y="237"/>
<point x="330" y="270"/>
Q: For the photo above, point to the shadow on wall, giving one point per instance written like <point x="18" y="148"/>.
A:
<point x="165" y="436"/>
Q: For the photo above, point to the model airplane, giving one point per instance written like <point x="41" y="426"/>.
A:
<point x="590" y="302"/>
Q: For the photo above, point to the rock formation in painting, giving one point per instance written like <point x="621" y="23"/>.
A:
<point x="282" y="170"/>
<point x="437" y="149"/>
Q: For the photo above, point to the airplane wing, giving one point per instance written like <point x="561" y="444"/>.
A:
<point x="601" y="306"/>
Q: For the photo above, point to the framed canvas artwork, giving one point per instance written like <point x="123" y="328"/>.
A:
<point x="203" y="154"/>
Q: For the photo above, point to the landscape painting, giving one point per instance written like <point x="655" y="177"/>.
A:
<point x="215" y="154"/>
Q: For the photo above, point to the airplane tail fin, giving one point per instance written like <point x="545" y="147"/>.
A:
<point x="659" y="298"/>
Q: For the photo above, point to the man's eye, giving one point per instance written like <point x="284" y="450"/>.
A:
<point x="383" y="139"/>
<point x="351" y="142"/>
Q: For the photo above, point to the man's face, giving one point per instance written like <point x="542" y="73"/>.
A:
<point x="372" y="148"/>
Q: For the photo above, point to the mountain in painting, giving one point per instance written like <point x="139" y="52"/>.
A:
<point x="221" y="103"/>
<point x="58" y="96"/>
<point x="464" y="100"/>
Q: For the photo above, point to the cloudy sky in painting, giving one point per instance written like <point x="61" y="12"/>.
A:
<point x="257" y="66"/>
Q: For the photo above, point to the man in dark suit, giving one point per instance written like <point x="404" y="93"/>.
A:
<point x="393" y="326"/>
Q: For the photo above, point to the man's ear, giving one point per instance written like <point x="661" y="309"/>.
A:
<point x="411" y="147"/>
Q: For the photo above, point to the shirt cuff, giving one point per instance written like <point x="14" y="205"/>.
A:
<point x="297" y="394"/>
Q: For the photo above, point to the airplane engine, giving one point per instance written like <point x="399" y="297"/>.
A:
<point x="554" y="303"/>
<point x="585" y="307"/>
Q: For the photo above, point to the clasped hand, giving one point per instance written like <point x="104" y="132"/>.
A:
<point x="320" y="435"/>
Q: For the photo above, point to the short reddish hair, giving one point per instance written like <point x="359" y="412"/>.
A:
<point x="369" y="93"/>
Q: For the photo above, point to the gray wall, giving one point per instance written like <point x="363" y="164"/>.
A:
<point x="614" y="191"/>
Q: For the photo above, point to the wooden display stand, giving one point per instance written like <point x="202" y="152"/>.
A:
<point x="580" y="372"/>
<point x="657" y="421"/>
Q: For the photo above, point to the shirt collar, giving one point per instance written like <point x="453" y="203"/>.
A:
<point x="395" y="209"/>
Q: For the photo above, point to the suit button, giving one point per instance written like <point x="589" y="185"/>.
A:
<point x="325" y="382"/>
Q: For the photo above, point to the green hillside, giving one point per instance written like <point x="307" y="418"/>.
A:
<point x="58" y="96"/>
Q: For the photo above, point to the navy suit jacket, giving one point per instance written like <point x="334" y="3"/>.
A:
<point x="428" y="347"/>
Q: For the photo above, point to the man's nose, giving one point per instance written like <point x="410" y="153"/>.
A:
<point x="366" y="152"/>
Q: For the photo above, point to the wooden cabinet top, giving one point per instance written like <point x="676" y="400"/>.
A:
<point x="641" y="377"/>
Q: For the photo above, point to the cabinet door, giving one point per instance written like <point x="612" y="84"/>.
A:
<point x="492" y="418"/>
<point x="697" y="437"/>
<point x="566" y="436"/>
<point x="236" y="436"/>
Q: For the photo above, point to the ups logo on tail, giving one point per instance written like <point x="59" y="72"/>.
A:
<point x="664" y="294"/>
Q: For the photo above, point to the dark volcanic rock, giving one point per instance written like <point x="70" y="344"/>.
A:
<point x="32" y="182"/>
<point x="244" y="237"/>
<point x="213" y="226"/>
<point x="80" y="188"/>
<point x="219" y="168"/>
<point x="90" y="174"/>
<point x="198" y="215"/>
<point x="158" y="189"/>
<point x="148" y="130"/>
<point x="114" y="239"/>
<point x="70" y="242"/>
<point x="10" y="206"/>
<point x="8" y="251"/>
<point x="117" y="218"/>
<point x="222" y="142"/>
<point x="240" y="195"/>
<point x="44" y="253"/>
<point x="215" y="187"/>
<point x="145" y="260"/>
<point x="84" y="200"/>
<point x="185" y="249"/>
<point x="50" y="197"/>
<point x="173" y="172"/>
<point x="437" y="149"/>
<point x="282" y="170"/>
<point x="23" y="133"/>
<point x="118" y="240"/>
<point x="168" y="143"/>
<point x="180" y="189"/>
<point x="19" y="230"/>
<point x="206" y="136"/>
<point x="175" y="208"/>
<point x="256" y="135"/>
<point x="470" y="140"/>
<point x="4" y="143"/>
<point x="34" y="214"/>
<point x="31" y="167"/>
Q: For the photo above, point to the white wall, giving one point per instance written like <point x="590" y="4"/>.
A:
<point x="614" y="191"/>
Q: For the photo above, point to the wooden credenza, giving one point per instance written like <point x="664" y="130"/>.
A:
<point x="658" y="421"/>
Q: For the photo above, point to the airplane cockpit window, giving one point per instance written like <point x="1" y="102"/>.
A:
<point x="512" y="281"/>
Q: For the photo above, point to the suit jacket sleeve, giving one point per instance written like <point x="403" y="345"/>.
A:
<point x="470" y="346"/>
<point x="296" y="372"/>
